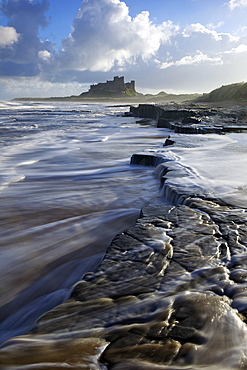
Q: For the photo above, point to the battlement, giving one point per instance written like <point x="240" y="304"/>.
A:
<point x="117" y="84"/>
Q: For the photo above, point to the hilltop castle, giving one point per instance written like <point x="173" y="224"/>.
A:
<point x="117" y="84"/>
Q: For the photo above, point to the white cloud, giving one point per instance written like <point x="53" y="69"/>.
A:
<point x="237" y="4"/>
<point x="8" y="36"/>
<point x="199" y="28"/>
<point x="198" y="37"/>
<point x="44" y="55"/>
<point x="25" y="17"/>
<point x="242" y="48"/>
<point x="104" y="36"/>
<point x="189" y="60"/>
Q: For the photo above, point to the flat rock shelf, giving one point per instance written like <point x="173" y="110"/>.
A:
<point x="171" y="293"/>
<point x="194" y="118"/>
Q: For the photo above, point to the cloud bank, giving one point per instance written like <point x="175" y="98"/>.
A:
<point x="105" y="36"/>
<point x="24" y="19"/>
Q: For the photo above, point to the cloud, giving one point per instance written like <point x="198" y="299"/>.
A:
<point x="44" y="55"/>
<point x="242" y="48"/>
<point x="196" y="46"/>
<point x="237" y="4"/>
<point x="189" y="60"/>
<point x="198" y="28"/>
<point x="25" y="17"/>
<point x="104" y="35"/>
<point x="197" y="36"/>
<point x="8" y="36"/>
<point x="35" y="86"/>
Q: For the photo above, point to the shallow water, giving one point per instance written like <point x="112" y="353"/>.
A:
<point x="67" y="188"/>
<point x="170" y="293"/>
<point x="220" y="163"/>
<point x="214" y="165"/>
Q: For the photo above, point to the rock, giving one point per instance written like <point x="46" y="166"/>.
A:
<point x="191" y="120"/>
<point x="163" y="123"/>
<point x="168" y="142"/>
<point x="171" y="292"/>
<point x="146" y="159"/>
<point x="194" y="119"/>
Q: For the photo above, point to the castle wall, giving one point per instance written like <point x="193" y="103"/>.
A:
<point x="130" y="85"/>
<point x="116" y="84"/>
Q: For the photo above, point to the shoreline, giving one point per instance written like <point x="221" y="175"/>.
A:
<point x="161" y="98"/>
<point x="166" y="289"/>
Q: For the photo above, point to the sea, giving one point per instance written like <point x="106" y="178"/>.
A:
<point x="67" y="188"/>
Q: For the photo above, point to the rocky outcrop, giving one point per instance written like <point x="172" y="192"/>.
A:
<point x="195" y="119"/>
<point x="169" y="294"/>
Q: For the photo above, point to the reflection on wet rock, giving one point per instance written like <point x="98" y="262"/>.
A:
<point x="52" y="354"/>
<point x="166" y="294"/>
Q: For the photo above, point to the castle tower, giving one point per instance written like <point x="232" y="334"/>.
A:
<point x="133" y="85"/>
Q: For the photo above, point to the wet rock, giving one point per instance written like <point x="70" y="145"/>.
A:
<point x="169" y="293"/>
<point x="146" y="159"/>
<point x="175" y="114"/>
<point x="163" y="123"/>
<point x="194" y="119"/>
<point x="191" y="120"/>
<point x="168" y="142"/>
<point x="53" y="354"/>
<point x="153" y="352"/>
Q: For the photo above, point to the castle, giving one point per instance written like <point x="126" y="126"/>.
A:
<point x="117" y="84"/>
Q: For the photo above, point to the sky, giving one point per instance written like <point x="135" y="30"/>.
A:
<point x="61" y="47"/>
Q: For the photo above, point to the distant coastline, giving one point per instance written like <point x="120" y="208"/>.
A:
<point x="149" y="98"/>
<point x="117" y="91"/>
<point x="120" y="92"/>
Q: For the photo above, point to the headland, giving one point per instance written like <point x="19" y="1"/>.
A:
<point x="119" y="91"/>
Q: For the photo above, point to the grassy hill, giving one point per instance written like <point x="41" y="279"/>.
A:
<point x="163" y="97"/>
<point x="133" y="96"/>
<point x="98" y="94"/>
<point x="234" y="92"/>
<point x="129" y="96"/>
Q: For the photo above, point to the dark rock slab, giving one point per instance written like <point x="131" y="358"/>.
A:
<point x="166" y="293"/>
<point x="195" y="119"/>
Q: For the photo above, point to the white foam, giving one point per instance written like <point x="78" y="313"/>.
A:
<point x="26" y="163"/>
<point x="5" y="181"/>
<point x="218" y="164"/>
